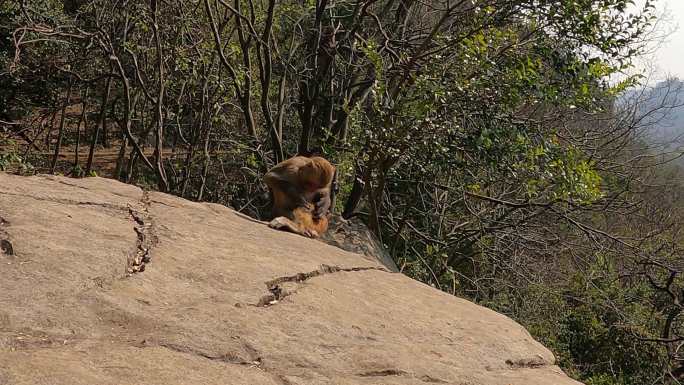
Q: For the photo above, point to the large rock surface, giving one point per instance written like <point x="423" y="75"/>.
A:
<point x="201" y="312"/>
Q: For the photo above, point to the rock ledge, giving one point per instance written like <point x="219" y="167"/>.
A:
<point x="102" y="283"/>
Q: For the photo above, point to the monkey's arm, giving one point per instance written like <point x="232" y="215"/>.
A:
<point x="321" y="203"/>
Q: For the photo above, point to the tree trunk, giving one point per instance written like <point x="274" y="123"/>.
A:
<point x="83" y="119"/>
<point x="162" y="183"/>
<point x="356" y="194"/>
<point x="60" y="134"/>
<point x="100" y="124"/>
<point x="120" y="158"/>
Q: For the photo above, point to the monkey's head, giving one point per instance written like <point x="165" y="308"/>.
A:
<point x="316" y="174"/>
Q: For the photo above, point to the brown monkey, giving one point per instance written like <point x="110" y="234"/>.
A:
<point x="301" y="189"/>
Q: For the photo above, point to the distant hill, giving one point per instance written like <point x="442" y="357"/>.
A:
<point x="661" y="112"/>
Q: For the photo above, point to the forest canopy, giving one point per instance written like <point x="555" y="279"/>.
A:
<point x="482" y="141"/>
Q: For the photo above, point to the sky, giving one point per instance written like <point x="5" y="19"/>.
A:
<point x="668" y="57"/>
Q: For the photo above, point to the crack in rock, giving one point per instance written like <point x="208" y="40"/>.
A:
<point x="144" y="230"/>
<point x="277" y="292"/>
<point x="6" y="247"/>
<point x="254" y="360"/>
<point x="69" y="202"/>
<point x="53" y="178"/>
<point x="384" y="373"/>
<point x="20" y="341"/>
<point x="67" y="184"/>
<point x="398" y="372"/>
<point x="165" y="204"/>
<point x="532" y="363"/>
<point x="230" y="358"/>
<point x="5" y="244"/>
<point x="281" y="379"/>
<point x="432" y="380"/>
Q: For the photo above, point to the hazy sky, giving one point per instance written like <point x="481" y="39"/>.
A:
<point x="669" y="58"/>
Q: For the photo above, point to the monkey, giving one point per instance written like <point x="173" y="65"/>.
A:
<point x="301" y="189"/>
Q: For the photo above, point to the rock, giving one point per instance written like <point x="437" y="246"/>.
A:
<point x="353" y="235"/>
<point x="107" y="284"/>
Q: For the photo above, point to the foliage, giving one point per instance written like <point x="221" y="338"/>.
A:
<point x="11" y="160"/>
